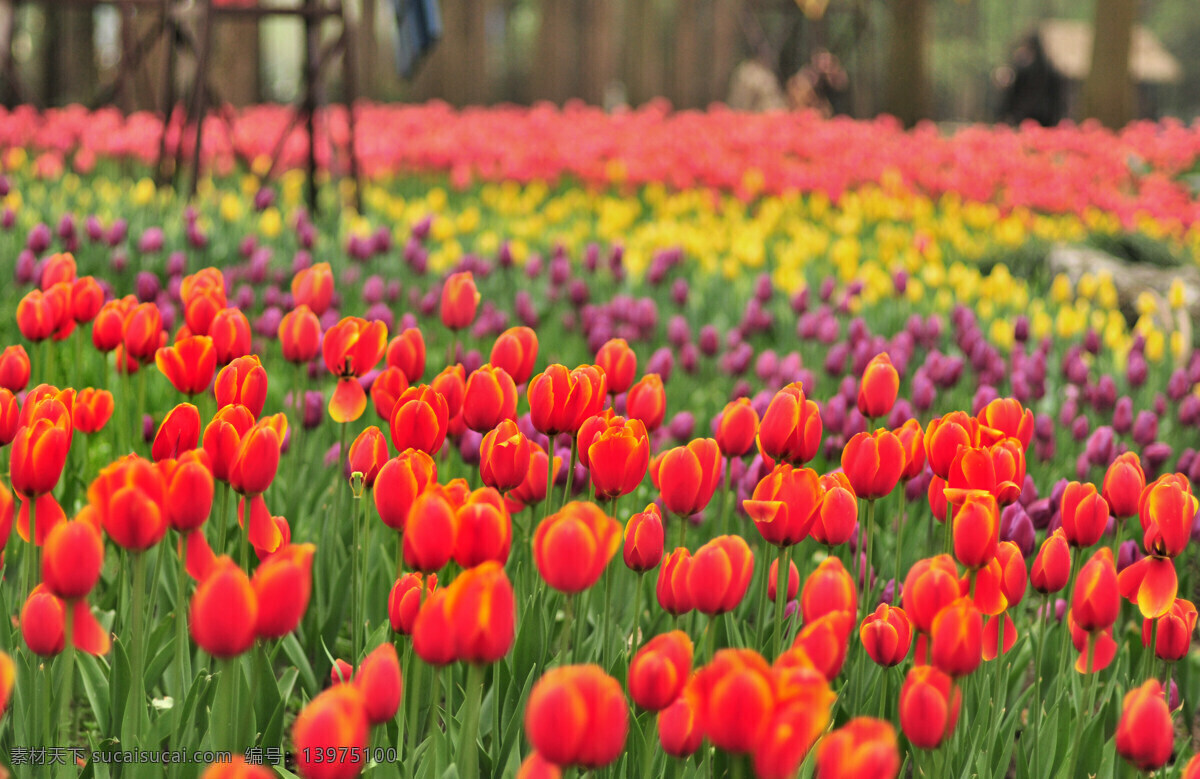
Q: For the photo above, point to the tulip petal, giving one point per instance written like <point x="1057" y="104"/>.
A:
<point x="1158" y="589"/>
<point x="87" y="634"/>
<point x="348" y="401"/>
<point x="199" y="555"/>
<point x="261" y="531"/>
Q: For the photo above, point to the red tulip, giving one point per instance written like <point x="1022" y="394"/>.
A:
<point x="491" y="397"/>
<point x="719" y="574"/>
<point x="331" y="734"/>
<point x="879" y="387"/>
<point x="313" y="287"/>
<point x="142" y="332"/>
<point x="660" y="669"/>
<point x="912" y="440"/>
<point x="460" y="299"/>
<point x="57" y="269"/>
<point x="129" y="497"/>
<point x="1174" y="634"/>
<point x="404" y="601"/>
<point x="687" y="476"/>
<point x="223" y="437"/>
<point x="1094" y="598"/>
<point x="282" y="587"/>
<point x="14" y="368"/>
<point x="72" y="558"/>
<point x="368" y="453"/>
<point x="577" y="715"/>
<point x="1084" y="514"/>
<point x="483" y="529"/>
<point x="976" y="530"/>
<point x="381" y="683"/>
<point x="785" y="504"/>
<point x="224" y="611"/>
<point x="956" y="638"/>
<point x="399" y="482"/>
<point x="793" y="581"/>
<point x="643" y="547"/>
<point x="43" y="625"/>
<point x="998" y="469"/>
<point x="945" y="436"/>
<point x="825" y="641"/>
<point x="572" y="548"/>
<point x="619" y="364"/>
<point x="430" y="531"/>
<point x="407" y="352"/>
<point x="203" y="296"/>
<point x="618" y="457"/>
<point x="679" y="729"/>
<point x="1123" y="485"/>
<point x="828" y="588"/>
<point x="93" y="409"/>
<point x="791" y="427"/>
<point x="516" y="351"/>
<point x="300" y="335"/>
<point x="475" y="613"/>
<point x="931" y="585"/>
<point x="243" y="381"/>
<point x="504" y="456"/>
<point x="561" y="400"/>
<point x="108" y="328"/>
<point x="738" y="428"/>
<point x="1145" y="732"/>
<point x="1051" y="568"/>
<point x="533" y="488"/>
<point x="230" y="332"/>
<point x="674" y="594"/>
<point x="886" y="635"/>
<point x="387" y="388"/>
<point x="189" y="364"/>
<point x="86" y="299"/>
<point x="1006" y="418"/>
<point x="873" y="463"/>
<point x="35" y="316"/>
<point x="837" y="519"/>
<point x="419" y="420"/>
<point x="863" y="748"/>
<point x="737" y="680"/>
<point x="189" y="485"/>
<point x="929" y="706"/>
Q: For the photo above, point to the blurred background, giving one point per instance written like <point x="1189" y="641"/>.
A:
<point x="951" y="61"/>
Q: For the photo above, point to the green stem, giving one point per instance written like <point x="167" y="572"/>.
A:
<point x="183" y="669"/>
<point x="712" y="638"/>
<point x="782" y="575"/>
<point x="649" y="723"/>
<point x="683" y="522"/>
<point x="223" y="523"/>
<point x="570" y="472"/>
<point x="469" y="748"/>
<point x="1084" y="711"/>
<point x="603" y="651"/>
<point x="67" y="681"/>
<point x="866" y="570"/>
<point x="435" y="693"/>
<point x="899" y="548"/>
<point x="1167" y="683"/>
<point x="637" y="616"/>
<point x="1036" y="704"/>
<point x="355" y="585"/>
<point x="564" y="638"/>
<point x="136" y="638"/>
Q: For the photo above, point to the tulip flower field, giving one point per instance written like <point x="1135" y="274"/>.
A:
<point x="502" y="473"/>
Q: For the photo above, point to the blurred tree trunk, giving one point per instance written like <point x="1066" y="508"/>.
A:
<point x="599" y="50"/>
<point x="1108" y="91"/>
<point x="686" y="32"/>
<point x="368" y="50"/>
<point x="554" y="62"/>
<point x="723" y="55"/>
<point x="70" y="54"/>
<point x="234" y="61"/>
<point x="907" y="93"/>
<point x="643" y="61"/>
<point x="456" y="71"/>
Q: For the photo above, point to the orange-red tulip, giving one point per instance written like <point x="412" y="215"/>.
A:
<point x="86" y="299"/>
<point x="203" y="295"/>
<point x="801" y="715"/>
<point x="687" y="476"/>
<point x="407" y="352"/>
<point x="912" y="440"/>
<point x="931" y="585"/>
<point x="57" y="269"/>
<point x="282" y="586"/>
<point x="618" y="457"/>
<point x="738" y="428"/>
<point x="108" y="328"/>
<point x="561" y="400"/>
<point x="35" y="316"/>
<point x="399" y="482"/>
<point x="791" y="427"/>
<point x="1174" y="634"/>
<point x="944" y="437"/>
<point x="1084" y="514"/>
<point x="381" y="683"/>
<point x="189" y="484"/>
<point x="404" y="601"/>
<point x="257" y="458"/>
<point x="72" y="558"/>
<point x="976" y="530"/>
<point x="679" y="728"/>
<point x="236" y="768"/>
<point x="793" y="581"/>
<point x="43" y="625"/>
<point x="1051" y="569"/>
<point x="224" y="611"/>
<point x="1166" y="509"/>
<point x="368" y="453"/>
<point x="537" y="767"/>
<point x="419" y="420"/>
<point x="313" y="287"/>
<point x="1006" y="418"/>
<point x="476" y="614"/>
<point x="14" y="368"/>
<point x="1145" y="731"/>
<point x="577" y="715"/>
<point x="998" y="469"/>
<point x="483" y="529"/>
<point x="825" y="642"/>
<point x="533" y="488"/>
<point x="720" y="574"/>
<point x="242" y="381"/>
<point x="129" y="496"/>
<point x="879" y="387"/>
<point x="991" y="635"/>
<point x="223" y="437"/>
<point x="673" y="591"/>
<point x="873" y="463"/>
<point x="387" y="388"/>
<point x="504" y="456"/>
<point x="93" y="409"/>
<point x="39" y="452"/>
<point x="451" y="384"/>
<point x="643" y="548"/>
<point x="1123" y="484"/>
<point x="430" y="531"/>
<point x="619" y="364"/>
<point x="886" y="635"/>
<point x="189" y="364"/>
<point x="490" y="398"/>
<point x="351" y="348"/>
<point x="863" y="748"/>
<point x="10" y="416"/>
<point x="331" y="734"/>
<point x="516" y="351"/>
<point x="142" y="332"/>
<point x="837" y="519"/>
<point x="230" y="333"/>
<point x="929" y="706"/>
<point x="785" y="504"/>
<point x="1095" y="601"/>
<point x="572" y="548"/>
<point x="300" y="335"/>
<point x="178" y="433"/>
<point x="830" y="587"/>
<point x="460" y="299"/>
<point x="737" y="680"/>
<point x="660" y="669"/>
<point x="647" y="401"/>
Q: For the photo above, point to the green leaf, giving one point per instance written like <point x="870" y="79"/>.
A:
<point x="295" y="653"/>
<point x="94" y="672"/>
